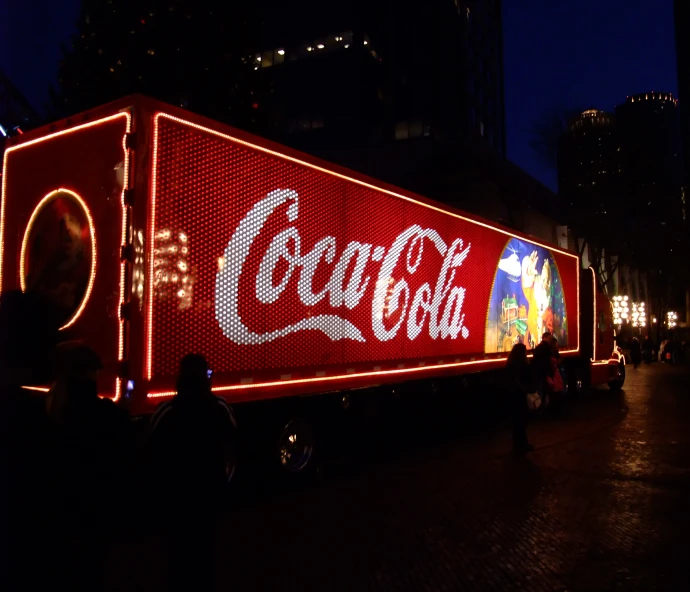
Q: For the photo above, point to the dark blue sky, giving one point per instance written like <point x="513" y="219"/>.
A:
<point x="558" y="54"/>
<point x="580" y="53"/>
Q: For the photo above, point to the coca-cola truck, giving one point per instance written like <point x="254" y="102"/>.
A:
<point x="159" y="233"/>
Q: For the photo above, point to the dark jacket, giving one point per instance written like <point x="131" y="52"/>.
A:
<point x="520" y="383"/>
<point x="542" y="360"/>
<point x="190" y="435"/>
<point x="635" y="352"/>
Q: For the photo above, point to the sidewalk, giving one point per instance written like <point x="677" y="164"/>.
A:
<point x="602" y="504"/>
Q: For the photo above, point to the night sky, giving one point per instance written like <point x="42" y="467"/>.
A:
<point x="561" y="54"/>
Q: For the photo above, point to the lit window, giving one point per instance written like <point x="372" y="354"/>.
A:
<point x="305" y="125"/>
<point x="401" y="130"/>
<point x="416" y="129"/>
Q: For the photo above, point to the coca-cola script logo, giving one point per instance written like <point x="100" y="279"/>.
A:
<point x="436" y="309"/>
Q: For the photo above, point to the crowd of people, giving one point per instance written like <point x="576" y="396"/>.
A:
<point x="546" y="378"/>
<point x="543" y="379"/>
<point x="74" y="466"/>
<point x="671" y="351"/>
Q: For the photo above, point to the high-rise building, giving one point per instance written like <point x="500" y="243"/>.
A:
<point x="627" y="165"/>
<point x="386" y="71"/>
<point x="652" y="167"/>
<point x="622" y="176"/>
<point x="590" y="164"/>
<point x="682" y="23"/>
<point x="407" y="91"/>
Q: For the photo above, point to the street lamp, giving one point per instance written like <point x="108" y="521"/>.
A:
<point x="621" y="309"/>
<point x="639" y="315"/>
<point x="671" y="319"/>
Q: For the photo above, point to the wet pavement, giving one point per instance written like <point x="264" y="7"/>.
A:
<point x="602" y="504"/>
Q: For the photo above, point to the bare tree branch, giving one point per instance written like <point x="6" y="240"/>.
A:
<point x="547" y="131"/>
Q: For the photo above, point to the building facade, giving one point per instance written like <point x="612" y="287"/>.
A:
<point x="385" y="71"/>
<point x="652" y="166"/>
<point x="407" y="91"/>
<point x="621" y="175"/>
<point x="590" y="163"/>
<point x="682" y="25"/>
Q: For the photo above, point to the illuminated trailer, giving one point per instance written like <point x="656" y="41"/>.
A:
<point x="160" y="233"/>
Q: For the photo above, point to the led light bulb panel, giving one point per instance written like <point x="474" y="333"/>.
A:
<point x="62" y="229"/>
<point x="277" y="269"/>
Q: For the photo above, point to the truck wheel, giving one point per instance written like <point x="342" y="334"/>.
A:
<point x="574" y="384"/>
<point x="296" y="446"/>
<point x="619" y="381"/>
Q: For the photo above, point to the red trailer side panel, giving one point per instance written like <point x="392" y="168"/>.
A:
<point x="62" y="227"/>
<point x="294" y="276"/>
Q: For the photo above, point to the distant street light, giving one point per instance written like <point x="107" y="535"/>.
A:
<point x="620" y="309"/>
<point x="639" y="314"/>
<point x="671" y="319"/>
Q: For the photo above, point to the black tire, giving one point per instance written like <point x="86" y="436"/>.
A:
<point x="617" y="384"/>
<point x="576" y="383"/>
<point x="295" y="446"/>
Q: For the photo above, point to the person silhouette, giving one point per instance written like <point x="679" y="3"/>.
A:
<point x="192" y="440"/>
<point x="28" y="334"/>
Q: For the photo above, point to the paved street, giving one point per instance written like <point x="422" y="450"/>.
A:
<point x="602" y="504"/>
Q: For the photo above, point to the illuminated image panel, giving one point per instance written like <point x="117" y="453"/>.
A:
<point x="58" y="256"/>
<point x="527" y="299"/>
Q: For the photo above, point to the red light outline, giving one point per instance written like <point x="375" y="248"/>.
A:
<point x="594" y="314"/>
<point x="123" y="262"/>
<point x="3" y="195"/>
<point x="38" y="389"/>
<point x="26" y="145"/>
<point x="151" y="227"/>
<point x="235" y="387"/>
<point x="94" y="249"/>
